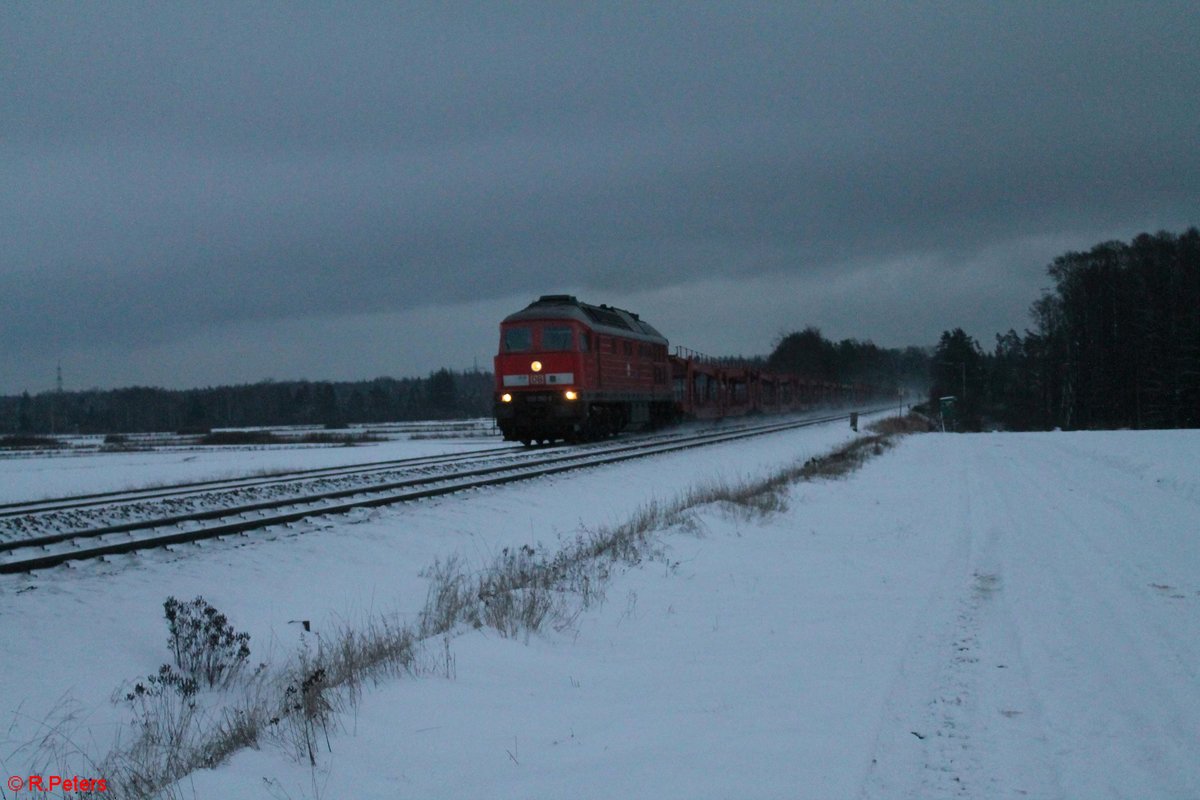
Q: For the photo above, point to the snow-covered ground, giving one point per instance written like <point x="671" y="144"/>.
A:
<point x="1003" y="615"/>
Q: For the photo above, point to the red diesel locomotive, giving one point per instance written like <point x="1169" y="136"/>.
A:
<point x="574" y="371"/>
<point x="569" y="370"/>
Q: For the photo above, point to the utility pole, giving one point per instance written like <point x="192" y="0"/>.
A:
<point x="58" y="390"/>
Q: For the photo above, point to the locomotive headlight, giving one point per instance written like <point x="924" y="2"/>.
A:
<point x="536" y="366"/>
<point x="506" y="398"/>
<point x="570" y="395"/>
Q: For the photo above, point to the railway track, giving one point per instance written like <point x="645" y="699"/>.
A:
<point x="10" y="510"/>
<point x="42" y="552"/>
<point x="81" y="501"/>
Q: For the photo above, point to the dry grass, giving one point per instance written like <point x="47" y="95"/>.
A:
<point x="221" y="438"/>
<point x="344" y="439"/>
<point x="911" y="423"/>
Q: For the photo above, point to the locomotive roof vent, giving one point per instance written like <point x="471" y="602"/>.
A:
<point x="566" y="306"/>
<point x="607" y="315"/>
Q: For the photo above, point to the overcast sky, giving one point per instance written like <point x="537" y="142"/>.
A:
<point x="207" y="193"/>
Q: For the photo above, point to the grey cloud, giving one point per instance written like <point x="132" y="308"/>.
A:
<point x="176" y="169"/>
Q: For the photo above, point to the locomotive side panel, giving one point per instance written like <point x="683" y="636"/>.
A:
<point x="627" y="366"/>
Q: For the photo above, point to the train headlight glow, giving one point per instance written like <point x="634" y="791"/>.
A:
<point x="506" y="398"/>
<point x="536" y="366"/>
<point x="570" y="395"/>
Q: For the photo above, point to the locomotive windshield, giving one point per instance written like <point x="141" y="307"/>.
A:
<point x="554" y="338"/>
<point x="518" y="340"/>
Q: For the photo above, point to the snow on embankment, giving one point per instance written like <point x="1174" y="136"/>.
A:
<point x="966" y="616"/>
<point x="74" y="637"/>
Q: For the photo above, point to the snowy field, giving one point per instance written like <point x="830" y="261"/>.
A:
<point x="982" y="616"/>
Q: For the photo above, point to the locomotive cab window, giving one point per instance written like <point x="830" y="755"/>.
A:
<point x="518" y="340"/>
<point x="555" y="338"/>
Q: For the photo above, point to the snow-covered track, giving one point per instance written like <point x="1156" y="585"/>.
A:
<point x="48" y="551"/>
<point x="80" y="501"/>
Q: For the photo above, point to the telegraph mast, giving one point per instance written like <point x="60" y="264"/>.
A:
<point x="58" y="390"/>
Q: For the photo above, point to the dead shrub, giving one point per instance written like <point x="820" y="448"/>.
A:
<point x="845" y="459"/>
<point x="343" y="439"/>
<point x="204" y="643"/>
<point x="239" y="437"/>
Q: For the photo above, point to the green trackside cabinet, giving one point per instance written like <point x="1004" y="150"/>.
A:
<point x="946" y="405"/>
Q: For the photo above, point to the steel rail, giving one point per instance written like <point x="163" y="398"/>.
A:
<point x="184" y="489"/>
<point x="227" y="511"/>
<point x="491" y="476"/>
<point x="71" y="502"/>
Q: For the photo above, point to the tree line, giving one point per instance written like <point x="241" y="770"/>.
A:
<point x="850" y="361"/>
<point x="1115" y="344"/>
<point x="444" y="394"/>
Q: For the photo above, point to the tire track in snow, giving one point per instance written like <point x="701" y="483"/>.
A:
<point x="1118" y="661"/>
<point x="1059" y="654"/>
<point x="962" y="719"/>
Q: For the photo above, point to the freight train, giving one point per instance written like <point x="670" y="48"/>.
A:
<point x="573" y="371"/>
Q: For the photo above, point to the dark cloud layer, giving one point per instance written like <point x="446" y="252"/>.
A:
<point x="173" y="175"/>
